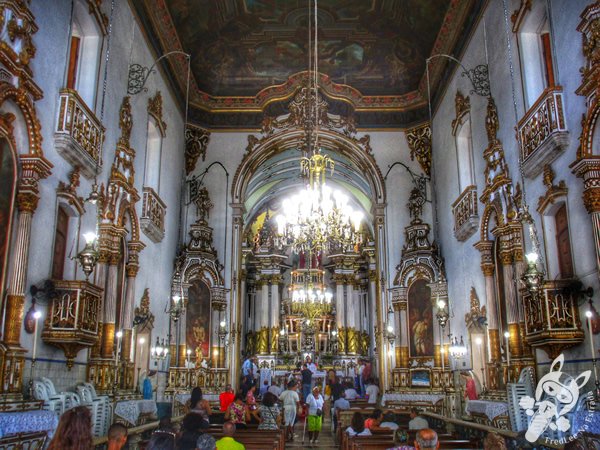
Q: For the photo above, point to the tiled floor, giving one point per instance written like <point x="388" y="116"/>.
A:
<point x="326" y="441"/>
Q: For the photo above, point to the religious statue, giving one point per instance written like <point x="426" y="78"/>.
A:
<point x="199" y="334"/>
<point x="203" y="205"/>
<point x="415" y="204"/>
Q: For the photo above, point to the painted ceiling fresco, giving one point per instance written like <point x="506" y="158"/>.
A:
<point x="239" y="48"/>
<point x="248" y="54"/>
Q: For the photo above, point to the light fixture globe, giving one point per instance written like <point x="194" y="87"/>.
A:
<point x="88" y="257"/>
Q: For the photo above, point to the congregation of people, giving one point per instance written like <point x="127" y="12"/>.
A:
<point x="275" y="404"/>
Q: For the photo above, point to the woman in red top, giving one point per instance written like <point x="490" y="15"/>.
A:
<point x="226" y="398"/>
<point x="373" y="423"/>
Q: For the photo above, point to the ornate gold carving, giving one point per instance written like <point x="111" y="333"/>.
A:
<point x="419" y="142"/>
<point x="476" y="317"/>
<point x="262" y="341"/>
<point x="342" y="335"/>
<point x="494" y="340"/>
<point x="27" y="202"/>
<point x="515" y="340"/>
<point x="125" y="121"/>
<point x="108" y="339"/>
<point x="13" y="319"/>
<point x="101" y="18"/>
<point x="274" y="339"/>
<point x="155" y="109"/>
<point x="519" y="14"/>
<point x="69" y="191"/>
<point x="196" y="142"/>
<point x="462" y="106"/>
<point x="553" y="191"/>
<point x="144" y="316"/>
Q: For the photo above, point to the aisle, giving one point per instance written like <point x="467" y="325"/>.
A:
<point x="326" y="441"/>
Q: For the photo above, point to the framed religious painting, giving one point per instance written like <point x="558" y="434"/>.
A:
<point x="420" y="378"/>
<point x="198" y="314"/>
<point x="420" y="320"/>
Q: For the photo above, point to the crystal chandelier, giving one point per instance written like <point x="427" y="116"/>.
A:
<point x="308" y="293"/>
<point x="457" y="349"/>
<point x="317" y="218"/>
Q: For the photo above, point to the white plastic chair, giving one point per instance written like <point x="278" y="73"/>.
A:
<point x="97" y="406"/>
<point x="55" y="403"/>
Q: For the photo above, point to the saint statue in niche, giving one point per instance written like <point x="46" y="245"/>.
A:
<point x="198" y="320"/>
<point x="420" y="321"/>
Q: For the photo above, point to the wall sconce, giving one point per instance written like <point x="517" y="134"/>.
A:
<point x="175" y="308"/>
<point x="159" y="351"/>
<point x="88" y="257"/>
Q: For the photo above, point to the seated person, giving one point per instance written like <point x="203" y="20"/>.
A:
<point x="117" y="436"/>
<point x="238" y="412"/>
<point x="226" y="397"/>
<point x="339" y="405"/>
<point x="206" y="442"/>
<point x="373" y="423"/>
<point x="227" y="442"/>
<point x="350" y="392"/>
<point x="390" y="421"/>
<point x="357" y="426"/>
<point x="199" y="405"/>
<point x="372" y="392"/>
<point x="401" y="441"/>
<point x="191" y="429"/>
<point x="275" y="390"/>
<point x="417" y="422"/>
<point x="426" y="439"/>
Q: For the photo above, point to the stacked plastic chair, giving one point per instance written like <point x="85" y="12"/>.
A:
<point x="55" y="403"/>
<point x="100" y="407"/>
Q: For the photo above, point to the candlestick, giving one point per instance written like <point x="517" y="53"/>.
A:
<point x="507" y="336"/>
<point x="36" y="316"/>
<point x="479" y="342"/>
<point x="142" y="342"/>
<point x="119" y="335"/>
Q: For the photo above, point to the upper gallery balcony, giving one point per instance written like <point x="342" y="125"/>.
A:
<point x="543" y="132"/>
<point x="153" y="215"/>
<point x="79" y="134"/>
<point x="464" y="210"/>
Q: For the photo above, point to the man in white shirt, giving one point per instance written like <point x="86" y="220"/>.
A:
<point x="372" y="392"/>
<point x="291" y="401"/>
<point x="417" y="422"/>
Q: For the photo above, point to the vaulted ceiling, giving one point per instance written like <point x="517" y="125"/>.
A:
<point x="248" y="57"/>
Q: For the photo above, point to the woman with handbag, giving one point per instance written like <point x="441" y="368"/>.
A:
<point x="269" y="413"/>
<point x="315" y="403"/>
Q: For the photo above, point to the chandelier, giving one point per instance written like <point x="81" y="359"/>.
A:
<point x="457" y="348"/>
<point x="317" y="218"/>
<point x="308" y="293"/>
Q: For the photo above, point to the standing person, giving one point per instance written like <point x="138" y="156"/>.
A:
<point x="275" y="389"/>
<point x="306" y="382"/>
<point x="337" y="389"/>
<point x="366" y="374"/>
<point x="74" y="431"/>
<point x="248" y="368"/>
<point x="311" y="365"/>
<point x="117" y="436"/>
<point x="372" y="392"/>
<point x="470" y="386"/>
<point x="315" y="403"/>
<point x="291" y="403"/>
<point x="226" y="397"/>
<point x="269" y="413"/>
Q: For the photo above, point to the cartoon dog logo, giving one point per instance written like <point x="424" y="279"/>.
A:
<point x="561" y="393"/>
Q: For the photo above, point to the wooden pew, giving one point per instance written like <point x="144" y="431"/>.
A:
<point x="249" y="437"/>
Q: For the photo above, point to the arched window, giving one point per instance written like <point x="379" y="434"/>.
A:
<point x="535" y="51"/>
<point x="464" y="154"/>
<point x="153" y="156"/>
<point x="84" y="54"/>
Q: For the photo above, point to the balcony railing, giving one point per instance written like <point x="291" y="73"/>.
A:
<point x="552" y="318"/>
<point x="79" y="134"/>
<point x="73" y="313"/>
<point x="153" y="215"/>
<point x="464" y="210"/>
<point x="543" y="132"/>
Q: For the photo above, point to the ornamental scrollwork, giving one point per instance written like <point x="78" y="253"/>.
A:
<point x="196" y="143"/>
<point x="419" y="142"/>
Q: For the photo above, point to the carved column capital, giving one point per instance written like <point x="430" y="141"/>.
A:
<point x="27" y="201"/>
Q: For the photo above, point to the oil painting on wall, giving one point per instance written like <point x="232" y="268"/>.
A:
<point x="420" y="320"/>
<point x="198" y="320"/>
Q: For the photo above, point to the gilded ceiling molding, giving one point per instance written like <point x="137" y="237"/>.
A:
<point x="94" y="8"/>
<point x="462" y="106"/>
<point x="419" y="142"/>
<point x="68" y="191"/>
<point x="196" y="143"/>
<point x="155" y="110"/>
<point x="553" y="191"/>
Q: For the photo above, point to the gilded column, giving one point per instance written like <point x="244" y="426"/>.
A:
<point x="33" y="168"/>
<point x="402" y="350"/>
<point x="110" y="307"/>
<point x="380" y="311"/>
<point x="371" y="302"/>
<point x="235" y="309"/>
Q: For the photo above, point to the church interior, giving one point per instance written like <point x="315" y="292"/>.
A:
<point x="399" y="193"/>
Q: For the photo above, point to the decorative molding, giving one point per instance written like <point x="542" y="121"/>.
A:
<point x="419" y="142"/>
<point x="519" y="14"/>
<point x="69" y="191"/>
<point x="553" y="191"/>
<point x="155" y="109"/>
<point x="94" y="7"/>
<point x="196" y="143"/>
<point x="462" y="106"/>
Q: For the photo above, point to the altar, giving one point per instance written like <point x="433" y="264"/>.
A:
<point x="487" y="412"/>
<point x="135" y="412"/>
<point x="422" y="400"/>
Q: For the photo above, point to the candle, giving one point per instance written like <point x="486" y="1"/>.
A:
<point x="507" y="336"/>
<point x="187" y="359"/>
<point x="588" y="314"/>
<point x="142" y="341"/>
<point x="119" y="335"/>
<point x="36" y="316"/>
<point x="479" y="342"/>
